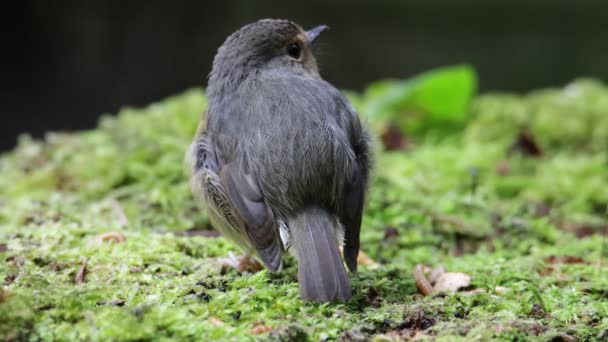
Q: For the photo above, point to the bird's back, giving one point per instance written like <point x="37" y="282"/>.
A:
<point x="295" y="135"/>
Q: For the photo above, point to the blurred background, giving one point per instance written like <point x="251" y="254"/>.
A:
<point x="67" y="62"/>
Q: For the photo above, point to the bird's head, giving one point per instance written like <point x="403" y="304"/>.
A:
<point x="269" y="44"/>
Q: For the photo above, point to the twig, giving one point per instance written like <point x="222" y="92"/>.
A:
<point x="81" y="276"/>
<point x="422" y="283"/>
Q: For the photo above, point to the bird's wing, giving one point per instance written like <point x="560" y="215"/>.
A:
<point x="235" y="198"/>
<point x="254" y="215"/>
<point x="354" y="194"/>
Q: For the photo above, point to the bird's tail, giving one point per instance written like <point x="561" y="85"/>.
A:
<point x="321" y="273"/>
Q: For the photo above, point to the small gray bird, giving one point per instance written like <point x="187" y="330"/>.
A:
<point x="281" y="160"/>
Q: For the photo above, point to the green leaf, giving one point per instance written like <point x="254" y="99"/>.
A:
<point x="436" y="98"/>
<point x="444" y="94"/>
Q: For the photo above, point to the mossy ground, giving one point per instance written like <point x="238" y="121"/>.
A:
<point x="527" y="229"/>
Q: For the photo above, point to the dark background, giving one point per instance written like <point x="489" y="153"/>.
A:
<point x="66" y="62"/>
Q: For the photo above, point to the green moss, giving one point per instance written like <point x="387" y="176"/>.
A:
<point x="444" y="200"/>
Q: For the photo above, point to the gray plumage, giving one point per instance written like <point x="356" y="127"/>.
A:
<point x="282" y="158"/>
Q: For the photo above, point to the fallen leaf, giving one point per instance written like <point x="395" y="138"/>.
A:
<point x="110" y="237"/>
<point x="216" y="321"/>
<point x="568" y="259"/>
<point x="249" y="264"/>
<point x="9" y="279"/>
<point x="241" y="264"/>
<point x="525" y="143"/>
<point x="393" y="139"/>
<point x="260" y="328"/>
<point x="390" y="233"/>
<point x="500" y="290"/>
<point x="436" y="280"/>
<point x="452" y="281"/>
<point x="435" y="274"/>
<point x="3" y="247"/>
<point x="82" y="273"/>
<point x="582" y="229"/>
<point x="364" y="259"/>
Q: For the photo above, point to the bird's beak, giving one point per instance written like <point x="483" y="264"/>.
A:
<point x="312" y="34"/>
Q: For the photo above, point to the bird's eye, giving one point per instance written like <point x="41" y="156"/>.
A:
<point x="293" y="50"/>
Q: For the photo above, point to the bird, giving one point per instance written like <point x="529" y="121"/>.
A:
<point x="281" y="160"/>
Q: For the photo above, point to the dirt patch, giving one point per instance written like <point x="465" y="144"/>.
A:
<point x="414" y="325"/>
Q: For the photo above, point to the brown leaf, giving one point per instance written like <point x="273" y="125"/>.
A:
<point x="249" y="264"/>
<point x="525" y="144"/>
<point x="3" y="247"/>
<point x="110" y="237"/>
<point x="9" y="279"/>
<point x="216" y="321"/>
<point x="364" y="259"/>
<point x="582" y="229"/>
<point x="82" y="273"/>
<point x="259" y="328"/>
<point x="4" y="294"/>
<point x="452" y="282"/>
<point x="437" y="280"/>
<point x="390" y="233"/>
<point x="393" y="139"/>
<point x="568" y="259"/>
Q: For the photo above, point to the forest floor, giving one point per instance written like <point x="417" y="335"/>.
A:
<point x="100" y="238"/>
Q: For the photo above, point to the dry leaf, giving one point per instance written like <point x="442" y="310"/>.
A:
<point x="249" y="264"/>
<point x="110" y="237"/>
<point x="216" y="321"/>
<point x="260" y="328"/>
<point x="526" y="144"/>
<point x="364" y="259"/>
<point x="568" y="259"/>
<point x="435" y="280"/>
<point x="452" y="281"/>
<point x="500" y="290"/>
<point x="393" y="139"/>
